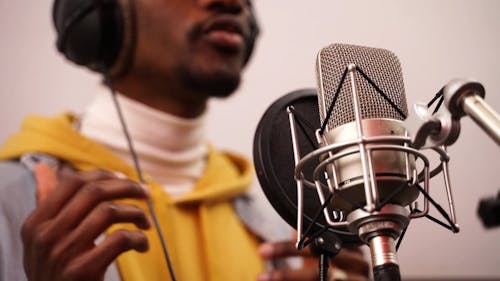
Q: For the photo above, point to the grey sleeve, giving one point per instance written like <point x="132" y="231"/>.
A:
<point x="260" y="217"/>
<point x="17" y="201"/>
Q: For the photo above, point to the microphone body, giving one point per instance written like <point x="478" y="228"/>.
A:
<point x="356" y="112"/>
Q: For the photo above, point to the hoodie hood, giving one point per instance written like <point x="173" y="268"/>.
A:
<point x="227" y="175"/>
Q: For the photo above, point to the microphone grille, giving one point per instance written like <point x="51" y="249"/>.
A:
<point x="380" y="65"/>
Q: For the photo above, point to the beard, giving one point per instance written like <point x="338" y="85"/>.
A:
<point x="220" y="83"/>
<point x="211" y="78"/>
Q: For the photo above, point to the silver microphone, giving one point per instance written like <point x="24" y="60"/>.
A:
<point x="370" y="104"/>
<point x="379" y="118"/>
<point x="367" y="172"/>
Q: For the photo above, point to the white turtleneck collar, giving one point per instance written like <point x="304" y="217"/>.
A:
<point x="171" y="149"/>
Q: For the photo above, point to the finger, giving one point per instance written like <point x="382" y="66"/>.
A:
<point x="308" y="274"/>
<point x="354" y="250"/>
<point x="36" y="228"/>
<point x="101" y="218"/>
<point x="95" y="262"/>
<point x="92" y="194"/>
<point x="351" y="261"/>
<point x="69" y="183"/>
<point x="281" y="250"/>
<point x="356" y="277"/>
<point x="304" y="274"/>
<point x="336" y="274"/>
<point x="108" y="213"/>
<point x="333" y="276"/>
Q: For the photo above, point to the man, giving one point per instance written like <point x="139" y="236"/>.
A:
<point x="172" y="56"/>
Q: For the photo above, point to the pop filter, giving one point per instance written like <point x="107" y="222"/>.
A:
<point x="274" y="160"/>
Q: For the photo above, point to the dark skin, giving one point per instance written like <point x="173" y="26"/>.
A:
<point x="350" y="260"/>
<point x="187" y="52"/>
<point x="59" y="235"/>
<point x="176" y="52"/>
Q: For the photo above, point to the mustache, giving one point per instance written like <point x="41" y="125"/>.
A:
<point x="224" y="22"/>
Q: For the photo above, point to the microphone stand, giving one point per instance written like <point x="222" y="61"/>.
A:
<point x="465" y="97"/>
<point x="325" y="249"/>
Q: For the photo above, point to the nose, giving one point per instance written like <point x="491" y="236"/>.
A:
<point x="224" y="6"/>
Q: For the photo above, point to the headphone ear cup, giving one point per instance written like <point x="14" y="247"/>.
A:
<point x="90" y="33"/>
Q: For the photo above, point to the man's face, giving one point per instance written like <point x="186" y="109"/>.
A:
<point x="199" y="44"/>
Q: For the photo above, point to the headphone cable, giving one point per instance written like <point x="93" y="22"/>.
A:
<point x="141" y="178"/>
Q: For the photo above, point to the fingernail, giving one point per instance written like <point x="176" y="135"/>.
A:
<point x="264" y="277"/>
<point x="146" y="188"/>
<point x="266" y="250"/>
<point x="119" y="175"/>
<point x="147" y="224"/>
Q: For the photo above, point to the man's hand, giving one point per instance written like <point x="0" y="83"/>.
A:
<point x="351" y="263"/>
<point x="59" y="235"/>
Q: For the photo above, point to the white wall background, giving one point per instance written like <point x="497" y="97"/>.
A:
<point x="434" y="40"/>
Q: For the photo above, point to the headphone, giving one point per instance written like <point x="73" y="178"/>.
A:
<point x="101" y="34"/>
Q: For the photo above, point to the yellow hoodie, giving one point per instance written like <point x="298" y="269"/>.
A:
<point x="206" y="239"/>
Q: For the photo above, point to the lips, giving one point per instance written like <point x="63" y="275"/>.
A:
<point x="226" y="33"/>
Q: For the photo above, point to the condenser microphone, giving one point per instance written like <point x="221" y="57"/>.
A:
<point x="360" y="97"/>
<point x="381" y="103"/>
<point x="350" y="174"/>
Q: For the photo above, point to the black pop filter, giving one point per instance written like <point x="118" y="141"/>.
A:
<point x="274" y="160"/>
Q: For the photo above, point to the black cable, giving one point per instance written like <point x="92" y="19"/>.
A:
<point x="433" y="173"/>
<point x="436" y="96"/>
<point x="141" y="179"/>
<point x="451" y="225"/>
<point x="309" y="125"/>
<point x="315" y="220"/>
<point x="311" y="238"/>
<point x="337" y="92"/>
<point x="381" y="92"/>
<point x="330" y="109"/>
<point x="133" y="153"/>
<point x="439" y="222"/>
<point x="354" y="204"/>
<point x="439" y="95"/>
<point x="303" y="123"/>
<point x="403" y="232"/>
<point x="440" y="102"/>
<point x="391" y="196"/>
<point x="303" y="242"/>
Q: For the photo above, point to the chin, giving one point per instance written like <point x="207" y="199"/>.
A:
<point x="220" y="82"/>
